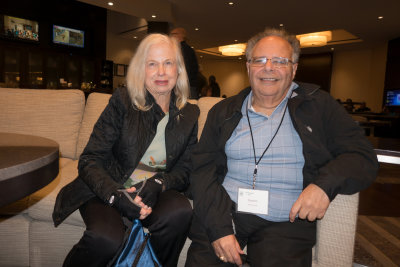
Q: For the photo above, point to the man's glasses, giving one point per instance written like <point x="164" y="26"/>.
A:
<point x="276" y="62"/>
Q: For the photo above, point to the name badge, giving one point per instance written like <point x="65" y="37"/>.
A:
<point x="253" y="201"/>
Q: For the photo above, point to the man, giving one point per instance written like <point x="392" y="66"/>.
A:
<point x="189" y="56"/>
<point x="270" y="160"/>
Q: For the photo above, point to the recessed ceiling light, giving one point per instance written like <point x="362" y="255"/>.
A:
<point x="196" y="29"/>
<point x="134" y="37"/>
<point x="236" y="40"/>
<point x="110" y="3"/>
<point x="380" y="17"/>
<point x="281" y="25"/>
<point x="153" y="16"/>
<point x="230" y="3"/>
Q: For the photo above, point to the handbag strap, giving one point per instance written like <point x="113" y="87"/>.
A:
<point x="142" y="247"/>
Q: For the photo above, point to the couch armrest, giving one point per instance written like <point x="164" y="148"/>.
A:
<point x="336" y="233"/>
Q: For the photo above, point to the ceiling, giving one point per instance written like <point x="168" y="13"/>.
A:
<point x="222" y="24"/>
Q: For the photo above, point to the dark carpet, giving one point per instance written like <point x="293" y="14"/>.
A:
<point x="378" y="227"/>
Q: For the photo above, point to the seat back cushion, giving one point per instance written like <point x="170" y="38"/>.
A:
<point x="95" y="105"/>
<point x="205" y="104"/>
<point x="54" y="114"/>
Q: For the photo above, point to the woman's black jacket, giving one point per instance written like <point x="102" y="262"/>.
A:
<point x="119" y="139"/>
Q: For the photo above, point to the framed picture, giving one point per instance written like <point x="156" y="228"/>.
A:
<point x="120" y="70"/>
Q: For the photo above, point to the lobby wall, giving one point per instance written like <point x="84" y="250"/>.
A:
<point x="120" y="51"/>
<point x="360" y="75"/>
<point x="231" y="75"/>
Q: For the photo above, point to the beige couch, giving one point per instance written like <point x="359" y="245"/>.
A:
<point x="27" y="234"/>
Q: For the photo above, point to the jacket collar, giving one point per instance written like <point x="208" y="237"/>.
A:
<point x="305" y="91"/>
<point x="173" y="110"/>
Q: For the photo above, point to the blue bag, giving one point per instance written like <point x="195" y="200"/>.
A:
<point x="137" y="250"/>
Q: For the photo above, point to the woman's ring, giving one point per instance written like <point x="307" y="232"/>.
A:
<point x="222" y="258"/>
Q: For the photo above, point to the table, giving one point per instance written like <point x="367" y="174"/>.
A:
<point x="387" y="149"/>
<point x="27" y="163"/>
<point x="382" y="197"/>
<point x="377" y="116"/>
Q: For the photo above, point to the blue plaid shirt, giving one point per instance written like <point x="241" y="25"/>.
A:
<point x="280" y="171"/>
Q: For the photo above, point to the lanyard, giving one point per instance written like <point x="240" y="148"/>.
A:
<point x="256" y="162"/>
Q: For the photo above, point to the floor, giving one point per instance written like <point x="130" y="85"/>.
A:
<point x="378" y="228"/>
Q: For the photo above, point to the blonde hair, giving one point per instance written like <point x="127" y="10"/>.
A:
<point x="136" y="72"/>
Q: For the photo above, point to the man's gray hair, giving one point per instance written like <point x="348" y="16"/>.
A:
<point x="291" y="39"/>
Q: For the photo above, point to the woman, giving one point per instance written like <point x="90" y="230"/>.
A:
<point x="146" y="131"/>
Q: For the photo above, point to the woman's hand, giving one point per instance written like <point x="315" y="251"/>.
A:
<point x="145" y="210"/>
<point x="149" y="190"/>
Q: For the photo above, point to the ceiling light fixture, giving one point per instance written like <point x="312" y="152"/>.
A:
<point x="380" y="17"/>
<point x="314" y="39"/>
<point x="230" y="3"/>
<point x="110" y="3"/>
<point x="232" y="50"/>
<point x="196" y="29"/>
<point x="153" y="16"/>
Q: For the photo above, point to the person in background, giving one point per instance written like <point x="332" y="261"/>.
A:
<point x="349" y="105"/>
<point x="201" y="81"/>
<point x="363" y="108"/>
<point x="137" y="161"/>
<point x="269" y="162"/>
<point x="216" y="91"/>
<point x="189" y="56"/>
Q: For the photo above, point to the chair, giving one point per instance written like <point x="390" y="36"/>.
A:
<point x="336" y="233"/>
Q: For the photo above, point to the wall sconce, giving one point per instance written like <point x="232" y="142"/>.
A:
<point x="314" y="39"/>
<point x="232" y="50"/>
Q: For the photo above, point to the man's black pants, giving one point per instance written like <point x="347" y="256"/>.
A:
<point x="268" y="243"/>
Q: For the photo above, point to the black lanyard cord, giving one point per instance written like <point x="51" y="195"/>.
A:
<point x="252" y="141"/>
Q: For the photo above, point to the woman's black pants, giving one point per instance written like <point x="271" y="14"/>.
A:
<point x="105" y="230"/>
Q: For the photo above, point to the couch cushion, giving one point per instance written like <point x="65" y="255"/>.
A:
<point x="42" y="202"/>
<point x="205" y="103"/>
<point x="95" y="105"/>
<point x="14" y="241"/>
<point x="55" y="114"/>
<point x="64" y="161"/>
<point x="49" y="245"/>
<point x="193" y="101"/>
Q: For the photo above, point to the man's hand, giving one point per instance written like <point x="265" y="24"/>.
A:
<point x="311" y="204"/>
<point x="227" y="249"/>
